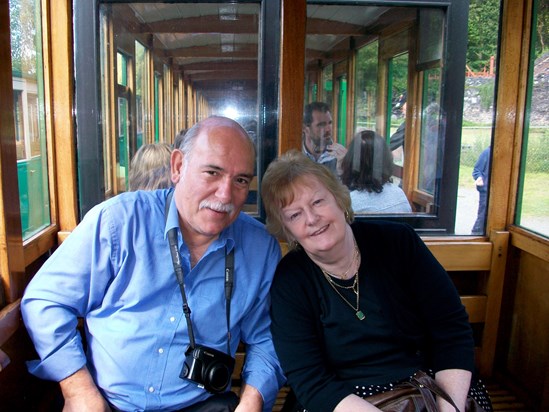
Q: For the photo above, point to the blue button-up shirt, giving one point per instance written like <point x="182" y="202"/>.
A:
<point x="116" y="272"/>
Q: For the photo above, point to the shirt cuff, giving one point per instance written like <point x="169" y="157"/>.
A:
<point x="61" y="363"/>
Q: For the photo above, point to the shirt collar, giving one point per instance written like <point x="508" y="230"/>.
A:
<point x="324" y="157"/>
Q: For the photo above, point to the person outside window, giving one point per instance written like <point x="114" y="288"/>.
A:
<point x="116" y="272"/>
<point x="481" y="174"/>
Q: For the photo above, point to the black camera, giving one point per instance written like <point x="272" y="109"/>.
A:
<point x="209" y="368"/>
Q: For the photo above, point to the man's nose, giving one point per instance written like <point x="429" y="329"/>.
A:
<point x="225" y="190"/>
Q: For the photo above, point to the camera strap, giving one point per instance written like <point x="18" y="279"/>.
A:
<point x="229" y="275"/>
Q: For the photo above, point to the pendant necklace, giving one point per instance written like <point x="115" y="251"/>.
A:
<point x="354" y="287"/>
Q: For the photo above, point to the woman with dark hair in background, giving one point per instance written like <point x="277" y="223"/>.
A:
<point x="367" y="171"/>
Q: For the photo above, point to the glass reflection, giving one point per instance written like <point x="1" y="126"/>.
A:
<point x="29" y="115"/>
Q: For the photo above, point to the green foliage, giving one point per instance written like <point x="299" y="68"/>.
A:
<point x="486" y="94"/>
<point x="483" y="33"/>
<point x="542" y="28"/>
<point x="24" y="19"/>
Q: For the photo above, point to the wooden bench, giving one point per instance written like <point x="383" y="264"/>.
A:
<point x="477" y="268"/>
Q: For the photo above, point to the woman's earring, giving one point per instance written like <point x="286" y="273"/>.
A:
<point x="347" y="218"/>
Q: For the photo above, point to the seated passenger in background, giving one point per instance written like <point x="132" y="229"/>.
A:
<point x="357" y="306"/>
<point x="150" y="167"/>
<point x="366" y="170"/>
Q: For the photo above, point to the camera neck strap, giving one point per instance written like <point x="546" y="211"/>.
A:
<point x="229" y="274"/>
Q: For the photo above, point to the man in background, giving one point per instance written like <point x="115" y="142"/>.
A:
<point x="318" y="144"/>
<point x="481" y="174"/>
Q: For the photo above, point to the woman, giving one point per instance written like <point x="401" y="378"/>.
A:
<point x="357" y="308"/>
<point x="150" y="167"/>
<point x="367" y="171"/>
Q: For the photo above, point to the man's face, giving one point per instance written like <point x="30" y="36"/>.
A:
<point x="212" y="182"/>
<point x="318" y="134"/>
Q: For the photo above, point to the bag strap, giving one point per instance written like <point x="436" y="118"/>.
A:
<point x="427" y="385"/>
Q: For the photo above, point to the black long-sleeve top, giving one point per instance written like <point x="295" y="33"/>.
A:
<point x="414" y="318"/>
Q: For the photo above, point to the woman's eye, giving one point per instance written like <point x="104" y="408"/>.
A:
<point x="294" y="216"/>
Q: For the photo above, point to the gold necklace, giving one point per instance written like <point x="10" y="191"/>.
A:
<point x="344" y="276"/>
<point x="358" y="313"/>
<point x="355" y="287"/>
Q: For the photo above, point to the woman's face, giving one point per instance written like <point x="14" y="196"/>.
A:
<point x="313" y="218"/>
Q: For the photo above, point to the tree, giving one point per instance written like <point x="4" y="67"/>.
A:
<point x="483" y="32"/>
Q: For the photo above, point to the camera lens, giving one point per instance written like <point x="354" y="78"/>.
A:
<point x="218" y="376"/>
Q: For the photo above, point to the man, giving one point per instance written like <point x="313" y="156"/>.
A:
<point x="115" y="271"/>
<point x="481" y="174"/>
<point x="317" y="137"/>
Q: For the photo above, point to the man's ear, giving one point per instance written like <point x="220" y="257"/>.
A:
<point x="176" y="164"/>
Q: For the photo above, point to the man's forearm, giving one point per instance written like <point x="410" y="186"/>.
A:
<point x="81" y="393"/>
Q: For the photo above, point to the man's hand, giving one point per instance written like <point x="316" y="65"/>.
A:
<point x="337" y="150"/>
<point x="81" y="393"/>
<point x="479" y="181"/>
<point x="250" y="400"/>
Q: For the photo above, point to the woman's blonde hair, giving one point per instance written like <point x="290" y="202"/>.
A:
<point x="281" y="181"/>
<point x="150" y="167"/>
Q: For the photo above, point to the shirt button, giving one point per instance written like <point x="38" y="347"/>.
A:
<point x="151" y="389"/>
<point x="161" y="350"/>
<point x="172" y="319"/>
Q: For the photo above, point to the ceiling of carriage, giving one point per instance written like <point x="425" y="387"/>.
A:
<point x="215" y="45"/>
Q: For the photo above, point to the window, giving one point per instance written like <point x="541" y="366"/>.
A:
<point x="532" y="210"/>
<point x="29" y="114"/>
<point x="401" y="59"/>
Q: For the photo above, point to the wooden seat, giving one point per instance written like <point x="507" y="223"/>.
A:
<point x="477" y="269"/>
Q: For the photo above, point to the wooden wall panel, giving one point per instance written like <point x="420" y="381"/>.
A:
<point x="528" y="354"/>
<point x="292" y="74"/>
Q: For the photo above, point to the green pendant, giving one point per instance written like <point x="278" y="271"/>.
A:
<point x="360" y="315"/>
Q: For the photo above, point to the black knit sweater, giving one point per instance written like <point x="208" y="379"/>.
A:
<point x="414" y="318"/>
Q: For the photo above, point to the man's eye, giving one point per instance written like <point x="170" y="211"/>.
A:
<point x="243" y="181"/>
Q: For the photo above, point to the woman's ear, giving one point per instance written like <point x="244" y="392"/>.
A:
<point x="176" y="163"/>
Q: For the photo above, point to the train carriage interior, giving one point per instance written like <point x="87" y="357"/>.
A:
<point x="87" y="83"/>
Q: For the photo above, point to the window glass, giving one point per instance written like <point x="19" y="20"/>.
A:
<point x="106" y="127"/>
<point x="533" y="202"/>
<point x="478" y="115"/>
<point x="141" y="93"/>
<point x="396" y="91"/>
<point x="28" y="86"/>
<point x="366" y="86"/>
<point x="432" y="133"/>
